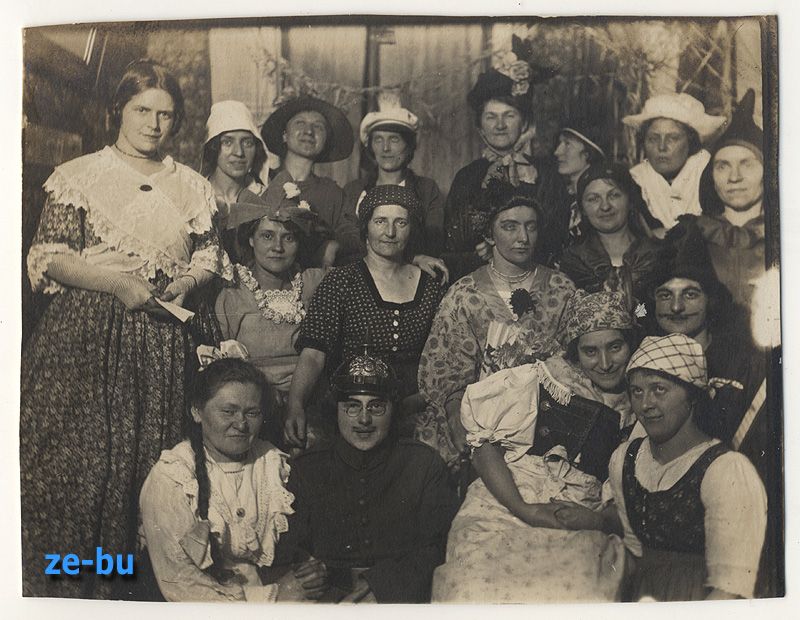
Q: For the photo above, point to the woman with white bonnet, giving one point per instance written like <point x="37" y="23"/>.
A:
<point x="233" y="155"/>
<point x="389" y="139"/>
<point x="671" y="130"/>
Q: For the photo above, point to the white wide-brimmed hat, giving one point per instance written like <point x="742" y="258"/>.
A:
<point x="390" y="115"/>
<point x="231" y="116"/>
<point x="678" y="107"/>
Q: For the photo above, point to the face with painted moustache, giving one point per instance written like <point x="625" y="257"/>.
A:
<point x="364" y="420"/>
<point x="681" y="306"/>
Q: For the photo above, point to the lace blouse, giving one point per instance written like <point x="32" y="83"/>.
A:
<point x="111" y="215"/>
<point x="248" y="510"/>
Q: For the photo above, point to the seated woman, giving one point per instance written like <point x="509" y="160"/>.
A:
<point x="671" y="130"/>
<point x="543" y="433"/>
<point x="502" y="315"/>
<point x="389" y="139"/>
<point x="614" y="253"/>
<point x="694" y="536"/>
<point x="382" y="299"/>
<point x="271" y="291"/>
<point x="214" y="506"/>
<point x="373" y="506"/>
<point x="233" y="156"/>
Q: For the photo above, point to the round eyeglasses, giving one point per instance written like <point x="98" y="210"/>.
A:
<point x="354" y="408"/>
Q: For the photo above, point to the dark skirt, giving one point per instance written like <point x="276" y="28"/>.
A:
<point x="670" y="576"/>
<point x="102" y="394"/>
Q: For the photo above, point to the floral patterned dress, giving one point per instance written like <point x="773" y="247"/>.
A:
<point x="103" y="388"/>
<point x="476" y="333"/>
<point x="495" y="557"/>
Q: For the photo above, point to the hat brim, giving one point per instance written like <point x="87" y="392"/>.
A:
<point x="339" y="144"/>
<point x="705" y="125"/>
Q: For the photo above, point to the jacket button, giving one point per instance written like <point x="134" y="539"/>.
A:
<point x="362" y="501"/>
<point x="348" y="547"/>
<point x="546" y="405"/>
<point x="367" y="542"/>
<point x="544" y="431"/>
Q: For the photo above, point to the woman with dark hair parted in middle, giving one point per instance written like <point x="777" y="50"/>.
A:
<point x="502" y="315"/>
<point x="103" y="375"/>
<point x="214" y="507"/>
<point x="272" y="288"/>
<point x="234" y="155"/>
<point x="614" y="252"/>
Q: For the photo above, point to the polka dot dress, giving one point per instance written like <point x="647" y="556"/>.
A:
<point x="347" y="311"/>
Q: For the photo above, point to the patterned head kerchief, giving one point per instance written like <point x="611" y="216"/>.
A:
<point x="381" y="195"/>
<point x="590" y="312"/>
<point x="364" y="374"/>
<point x="679" y="356"/>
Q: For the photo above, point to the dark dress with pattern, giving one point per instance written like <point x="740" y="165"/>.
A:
<point x="102" y="394"/>
<point x="671" y="526"/>
<point x="347" y="310"/>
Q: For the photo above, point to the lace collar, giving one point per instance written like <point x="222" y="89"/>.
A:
<point x="278" y="306"/>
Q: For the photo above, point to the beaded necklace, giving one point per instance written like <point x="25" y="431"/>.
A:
<point x="277" y="306"/>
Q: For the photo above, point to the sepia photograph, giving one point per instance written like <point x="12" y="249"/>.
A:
<point x="346" y="309"/>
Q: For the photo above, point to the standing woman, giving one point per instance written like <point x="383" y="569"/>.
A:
<point x="579" y="146"/>
<point x="102" y="381"/>
<point x="233" y="157"/>
<point x="502" y="105"/>
<point x="614" y="253"/>
<point x="389" y="137"/>
<point x="671" y="130"/>
<point x="304" y="131"/>
<point x="502" y="315"/>
<point x="382" y="300"/>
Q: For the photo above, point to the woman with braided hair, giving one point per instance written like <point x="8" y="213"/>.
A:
<point x="214" y="506"/>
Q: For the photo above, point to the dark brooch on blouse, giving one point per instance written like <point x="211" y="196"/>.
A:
<point x="521" y="302"/>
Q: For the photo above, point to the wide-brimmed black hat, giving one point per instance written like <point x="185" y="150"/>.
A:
<point x="339" y="144"/>
<point x="365" y="374"/>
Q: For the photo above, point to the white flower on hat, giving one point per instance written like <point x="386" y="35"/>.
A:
<point x="518" y="70"/>
<point x="304" y="205"/>
<point x="291" y="190"/>
<point x="640" y="312"/>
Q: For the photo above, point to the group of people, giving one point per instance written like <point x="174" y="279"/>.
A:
<point x="541" y="387"/>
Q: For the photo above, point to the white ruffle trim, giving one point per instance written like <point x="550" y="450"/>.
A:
<point x="215" y="260"/>
<point x="39" y="257"/>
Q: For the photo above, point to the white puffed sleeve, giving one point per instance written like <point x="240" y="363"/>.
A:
<point x="736" y="520"/>
<point x="502" y="409"/>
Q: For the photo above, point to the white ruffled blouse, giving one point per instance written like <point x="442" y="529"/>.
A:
<point x="145" y="222"/>
<point x="248" y="510"/>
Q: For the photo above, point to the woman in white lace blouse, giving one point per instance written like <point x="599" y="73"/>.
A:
<point x="213" y="507"/>
<point x="102" y="381"/>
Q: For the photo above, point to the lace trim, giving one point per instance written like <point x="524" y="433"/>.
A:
<point x="215" y="260"/>
<point x="275" y="504"/>
<point x="276" y="306"/>
<point x="199" y="219"/>
<point x="39" y="257"/>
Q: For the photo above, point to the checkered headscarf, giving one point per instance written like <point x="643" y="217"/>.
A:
<point x="680" y="356"/>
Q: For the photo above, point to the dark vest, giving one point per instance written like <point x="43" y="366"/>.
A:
<point x="589" y="431"/>
<point x="670" y="520"/>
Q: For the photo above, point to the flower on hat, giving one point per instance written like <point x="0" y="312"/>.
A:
<point x="518" y="70"/>
<point x="291" y="190"/>
<point x="304" y="205"/>
<point x="640" y="311"/>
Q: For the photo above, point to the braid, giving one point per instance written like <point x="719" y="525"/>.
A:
<point x="216" y="569"/>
